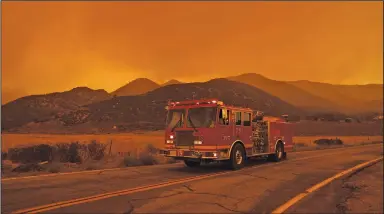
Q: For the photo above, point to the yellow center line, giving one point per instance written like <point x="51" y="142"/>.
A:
<point x="316" y="187"/>
<point x="72" y="202"/>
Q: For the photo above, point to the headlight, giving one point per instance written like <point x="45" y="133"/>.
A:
<point x="171" y="136"/>
<point x="198" y="142"/>
<point x="170" y="141"/>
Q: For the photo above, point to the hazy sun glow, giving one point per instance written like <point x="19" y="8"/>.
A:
<point x="55" y="46"/>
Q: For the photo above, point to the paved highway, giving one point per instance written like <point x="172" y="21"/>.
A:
<point x="261" y="187"/>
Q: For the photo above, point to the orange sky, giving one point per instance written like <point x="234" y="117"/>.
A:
<point x="55" y="46"/>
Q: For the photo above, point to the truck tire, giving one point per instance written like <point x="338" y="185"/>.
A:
<point x="237" y="157"/>
<point x="278" y="155"/>
<point x="191" y="164"/>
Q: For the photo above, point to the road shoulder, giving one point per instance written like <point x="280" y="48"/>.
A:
<point x="359" y="192"/>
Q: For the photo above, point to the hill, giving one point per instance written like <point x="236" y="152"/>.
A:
<point x="9" y="94"/>
<point x="38" y="108"/>
<point x="353" y="98"/>
<point x="287" y="92"/>
<point x="136" y="87"/>
<point x="146" y="112"/>
<point x="172" y="82"/>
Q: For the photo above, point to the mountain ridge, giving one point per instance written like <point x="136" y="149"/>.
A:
<point x="146" y="111"/>
<point x="136" y="87"/>
<point x="74" y="106"/>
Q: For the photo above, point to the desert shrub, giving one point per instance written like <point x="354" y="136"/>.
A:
<point x="96" y="151"/>
<point x="68" y="152"/>
<point x="54" y="169"/>
<point x="147" y="158"/>
<point x="149" y="155"/>
<point x="4" y="155"/>
<point x="61" y="151"/>
<point x="151" y="149"/>
<point x="73" y="153"/>
<point x="31" y="154"/>
<point x="170" y="160"/>
<point x="131" y="160"/>
<point x="328" y="142"/>
<point x="6" y="165"/>
<point x="28" y="167"/>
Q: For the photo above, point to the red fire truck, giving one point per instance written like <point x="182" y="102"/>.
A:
<point x="208" y="130"/>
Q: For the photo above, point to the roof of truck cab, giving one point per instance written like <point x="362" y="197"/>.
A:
<point x="204" y="103"/>
<point x="211" y="105"/>
<point x="236" y="108"/>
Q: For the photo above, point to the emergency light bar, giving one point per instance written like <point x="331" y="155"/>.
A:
<point x="196" y="102"/>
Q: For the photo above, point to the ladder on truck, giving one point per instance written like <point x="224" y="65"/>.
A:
<point x="259" y="136"/>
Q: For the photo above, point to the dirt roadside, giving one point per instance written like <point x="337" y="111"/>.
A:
<point x="359" y="192"/>
<point x="364" y="191"/>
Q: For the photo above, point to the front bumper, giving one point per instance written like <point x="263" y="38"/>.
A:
<point x="194" y="154"/>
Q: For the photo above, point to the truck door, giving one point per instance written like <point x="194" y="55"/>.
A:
<point x="243" y="129"/>
<point x="224" y="126"/>
<point x="247" y="130"/>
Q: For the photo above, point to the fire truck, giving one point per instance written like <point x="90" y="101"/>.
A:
<point x="208" y="130"/>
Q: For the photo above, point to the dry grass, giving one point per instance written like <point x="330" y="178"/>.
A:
<point x="135" y="142"/>
<point x="121" y="143"/>
<point x="347" y="140"/>
<point x="310" y="128"/>
<point x="133" y="149"/>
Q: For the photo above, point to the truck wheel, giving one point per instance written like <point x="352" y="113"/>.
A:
<point x="191" y="163"/>
<point x="237" y="157"/>
<point x="279" y="154"/>
<point x="285" y="155"/>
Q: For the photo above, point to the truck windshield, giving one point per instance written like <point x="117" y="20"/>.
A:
<point x="201" y="117"/>
<point x="175" y="118"/>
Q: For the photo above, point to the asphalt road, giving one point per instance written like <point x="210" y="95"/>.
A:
<point x="259" y="188"/>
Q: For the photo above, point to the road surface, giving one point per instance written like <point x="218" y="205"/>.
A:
<point x="261" y="187"/>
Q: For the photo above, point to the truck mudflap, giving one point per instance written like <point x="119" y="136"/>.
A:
<point x="192" y="154"/>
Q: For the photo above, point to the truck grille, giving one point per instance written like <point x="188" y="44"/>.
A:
<point x="184" y="138"/>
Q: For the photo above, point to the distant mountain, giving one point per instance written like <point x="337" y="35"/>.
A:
<point x="146" y="112"/>
<point x="172" y="82"/>
<point x="352" y="98"/>
<point x="288" y="92"/>
<point x="9" y="94"/>
<point x="139" y="105"/>
<point x="136" y="87"/>
<point x="37" y="108"/>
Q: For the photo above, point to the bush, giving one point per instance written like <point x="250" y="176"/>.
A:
<point x="131" y="160"/>
<point x="54" y="169"/>
<point x="96" y="151"/>
<point x="328" y="142"/>
<point x="4" y="155"/>
<point x="66" y="152"/>
<point x="73" y="153"/>
<point x="31" y="154"/>
<point x="147" y="158"/>
<point x="28" y="167"/>
<point x="63" y="152"/>
<point x="170" y="160"/>
<point x="151" y="149"/>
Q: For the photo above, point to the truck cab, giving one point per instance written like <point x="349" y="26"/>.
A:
<point x="208" y="130"/>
